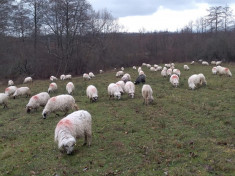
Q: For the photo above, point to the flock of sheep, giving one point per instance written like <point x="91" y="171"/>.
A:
<point x="79" y="123"/>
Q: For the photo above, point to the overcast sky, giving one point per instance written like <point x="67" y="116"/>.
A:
<point x="157" y="15"/>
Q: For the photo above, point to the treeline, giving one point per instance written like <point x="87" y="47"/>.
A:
<point x="40" y="38"/>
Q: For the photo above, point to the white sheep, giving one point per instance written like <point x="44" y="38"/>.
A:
<point x="59" y="103"/>
<point x="148" y="66"/>
<point x="176" y="71"/>
<point x="70" y="88"/>
<point x="62" y="77"/>
<point x="195" y="80"/>
<point x="27" y="80"/>
<point x="22" y="91"/>
<point x="37" y="100"/>
<point x="169" y="72"/>
<point x="213" y="62"/>
<point x="10" y="83"/>
<point x="91" y="75"/>
<point x="164" y="72"/>
<point x="121" y="85"/>
<point x="205" y="63"/>
<point x="141" y="73"/>
<point x="10" y="90"/>
<point x="214" y="70"/>
<point x="4" y="99"/>
<point x="223" y="71"/>
<point x="174" y="80"/>
<point x="155" y="65"/>
<point x="52" y="87"/>
<point x="192" y="63"/>
<point x="147" y="94"/>
<point x="130" y="88"/>
<point x="53" y="78"/>
<point x="68" y="77"/>
<point x="144" y="64"/>
<point x="119" y="73"/>
<point x="126" y="77"/>
<point x="134" y="67"/>
<point x="86" y="77"/>
<point x="186" y="67"/>
<point x="92" y="93"/>
<point x="218" y="63"/>
<point x="101" y="71"/>
<point x="152" y="69"/>
<point x="139" y="69"/>
<point x="159" y="68"/>
<point x="113" y="91"/>
<point x="122" y="68"/>
<point x="168" y="65"/>
<point x="76" y="125"/>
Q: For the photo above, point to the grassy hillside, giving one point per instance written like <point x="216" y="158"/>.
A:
<point x="183" y="132"/>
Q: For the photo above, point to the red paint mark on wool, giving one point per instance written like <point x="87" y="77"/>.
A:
<point x="53" y="99"/>
<point x="226" y="69"/>
<point x="51" y="85"/>
<point x="65" y="123"/>
<point x="93" y="90"/>
<point x="35" y="97"/>
<point x="175" y="77"/>
<point x="6" y="89"/>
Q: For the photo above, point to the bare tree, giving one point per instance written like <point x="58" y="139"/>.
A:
<point x="5" y="9"/>
<point x="214" y="18"/>
<point x="227" y="17"/>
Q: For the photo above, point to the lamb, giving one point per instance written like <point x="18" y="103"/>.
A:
<point x="86" y="77"/>
<point x="76" y="125"/>
<point x="70" y="88"/>
<point x="27" y="80"/>
<point x="214" y="70"/>
<point x="218" y="63"/>
<point x="126" y="77"/>
<point x="140" y="79"/>
<point x="68" y="77"/>
<point x="223" y="71"/>
<point x="130" y="89"/>
<point x="22" y="91"/>
<point x="164" y="72"/>
<point x="10" y="90"/>
<point x="113" y="91"/>
<point x="3" y="99"/>
<point x="52" y="87"/>
<point x="196" y="79"/>
<point x="186" y="67"/>
<point x="121" y="85"/>
<point x="174" y="80"/>
<point x="37" y="100"/>
<point x="147" y="94"/>
<point x="176" y="71"/>
<point x="91" y="75"/>
<point x="205" y="63"/>
<point x="53" y="78"/>
<point x="62" y="77"/>
<point x="119" y="73"/>
<point x="92" y="93"/>
<point x="10" y="83"/>
<point x="59" y="103"/>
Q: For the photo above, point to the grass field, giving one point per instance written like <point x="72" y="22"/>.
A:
<point x="183" y="132"/>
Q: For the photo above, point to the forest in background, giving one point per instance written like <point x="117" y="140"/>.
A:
<point x="41" y="38"/>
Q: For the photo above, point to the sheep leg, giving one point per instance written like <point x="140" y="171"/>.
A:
<point x="87" y="139"/>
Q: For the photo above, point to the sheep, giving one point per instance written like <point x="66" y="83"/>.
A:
<point x="126" y="77"/>
<point x="174" y="80"/>
<point x="4" y="99"/>
<point x="130" y="89"/>
<point x="214" y="70"/>
<point x="186" y="67"/>
<point x="139" y="69"/>
<point x="10" y="83"/>
<point x="169" y="72"/>
<point x="76" y="125"/>
<point x="91" y="75"/>
<point x="213" y="62"/>
<point x="59" y="103"/>
<point x="141" y="73"/>
<point x="101" y="71"/>
<point x="134" y="67"/>
<point x="37" y="100"/>
<point x="70" y="88"/>
<point x="176" y="71"/>
<point x="121" y="85"/>
<point x="152" y="69"/>
<point x="92" y="93"/>
<point x="122" y="68"/>
<point x="52" y="87"/>
<point x="223" y="71"/>
<point x="113" y="91"/>
<point x="68" y="77"/>
<point x="155" y="65"/>
<point x="62" y="77"/>
<point x="205" y="63"/>
<point x="168" y="65"/>
<point x="140" y="79"/>
<point x="86" y="77"/>
<point x="196" y="79"/>
<point x="164" y="72"/>
<point x="27" y="80"/>
<point x="218" y="63"/>
<point x="200" y="60"/>
<point x="159" y="68"/>
<point x="119" y="73"/>
<point x="147" y="94"/>
<point x="10" y="90"/>
<point x="192" y="63"/>
<point x="144" y="64"/>
<point x="53" y="78"/>
<point x="22" y="91"/>
<point x="148" y="66"/>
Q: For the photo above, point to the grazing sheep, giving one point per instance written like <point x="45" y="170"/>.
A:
<point x="169" y="72"/>
<point x="176" y="71"/>
<point x="186" y="67"/>
<point x="91" y="75"/>
<point x="52" y="87"/>
<point x="218" y="63"/>
<point x="164" y="72"/>
<point x="168" y="65"/>
<point x="119" y="73"/>
<point x="213" y="62"/>
<point x="155" y="65"/>
<point x="86" y="77"/>
<point x="101" y="71"/>
<point x="134" y="67"/>
<point x="200" y="60"/>
<point x="195" y="80"/>
<point x="121" y="85"/>
<point x="147" y="94"/>
<point x="126" y="77"/>
<point x="174" y="80"/>
<point x="152" y="69"/>
<point x="62" y="77"/>
<point x="205" y="63"/>
<point x="159" y="68"/>
<point x="37" y="100"/>
<point x="10" y="90"/>
<point x="122" y="68"/>
<point x="59" y="103"/>
<point x="70" y="88"/>
<point x="214" y="70"/>
<point x="192" y="63"/>
<point x="68" y="77"/>
<point x="223" y="71"/>
<point x="92" y="93"/>
<point x="53" y="78"/>
<point x="27" y="80"/>
<point x="148" y="66"/>
<point x="113" y="91"/>
<point x="140" y="79"/>
<point x="130" y="89"/>
<point x="22" y="91"/>
<point x="144" y="64"/>
<point x="10" y="83"/>
<point x="141" y="73"/>
<point x="3" y="99"/>
<point x="139" y="69"/>
<point x="76" y="125"/>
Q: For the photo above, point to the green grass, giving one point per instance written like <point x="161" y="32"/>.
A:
<point x="183" y="132"/>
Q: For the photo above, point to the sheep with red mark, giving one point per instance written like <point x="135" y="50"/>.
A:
<point x="10" y="83"/>
<point x="76" y="125"/>
<point x="147" y="94"/>
<point x="22" y="91"/>
<point x="10" y="90"/>
<point x="214" y="70"/>
<point x="86" y="77"/>
<point x="126" y="77"/>
<point x="52" y="87"/>
<point x="174" y="80"/>
<point x="92" y="93"/>
<point x="27" y="80"/>
<point x="195" y="80"/>
<point x="176" y="71"/>
<point x="70" y="88"/>
<point x="121" y="85"/>
<point x="130" y="88"/>
<point x="59" y="103"/>
<point x="3" y="99"/>
<point x="53" y="78"/>
<point x="37" y="100"/>
<point x="113" y="91"/>
<point x="119" y="73"/>
<point x="223" y="71"/>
